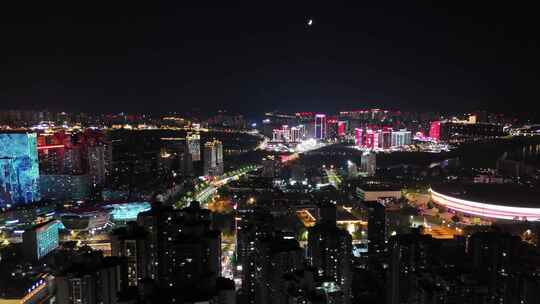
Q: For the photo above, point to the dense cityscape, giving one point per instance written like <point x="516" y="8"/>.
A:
<point x="298" y="152"/>
<point x="360" y="206"/>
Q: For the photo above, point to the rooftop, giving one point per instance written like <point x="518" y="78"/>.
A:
<point x="496" y="194"/>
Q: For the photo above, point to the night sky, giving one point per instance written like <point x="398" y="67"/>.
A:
<point x="145" y="56"/>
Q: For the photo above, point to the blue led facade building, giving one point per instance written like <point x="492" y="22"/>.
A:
<point x="40" y="240"/>
<point x="19" y="169"/>
<point x="127" y="211"/>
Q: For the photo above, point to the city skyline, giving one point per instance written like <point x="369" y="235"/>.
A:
<point x="275" y="153"/>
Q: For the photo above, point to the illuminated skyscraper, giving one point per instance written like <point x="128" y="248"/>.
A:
<point x="370" y="139"/>
<point x="209" y="158"/>
<point x="182" y="251"/>
<point x="401" y="138"/>
<point x="385" y="138"/>
<point x="320" y="126"/>
<point x="213" y="158"/>
<point x="376" y="227"/>
<point x="38" y="241"/>
<point x="359" y="137"/>
<point x="19" y="169"/>
<point x="435" y="130"/>
<point x="368" y="163"/>
<point x="295" y="134"/>
<point x="193" y="141"/>
<point x="342" y="128"/>
<point x="330" y="250"/>
<point x="96" y="164"/>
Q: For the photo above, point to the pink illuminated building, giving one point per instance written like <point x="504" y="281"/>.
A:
<point x="342" y="128"/>
<point x="320" y="126"/>
<point x="359" y="137"/>
<point x="435" y="130"/>
<point x="373" y="137"/>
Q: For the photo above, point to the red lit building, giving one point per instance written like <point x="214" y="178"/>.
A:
<point x="342" y="128"/>
<point x="359" y="137"/>
<point x="374" y="137"/>
<point x="435" y="130"/>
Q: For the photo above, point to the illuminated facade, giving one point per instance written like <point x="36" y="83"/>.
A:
<point x="342" y="128"/>
<point x="65" y="187"/>
<point x="41" y="239"/>
<point x="19" y="169"/>
<point x="401" y="138"/>
<point x="385" y="138"/>
<point x="358" y="137"/>
<point x="286" y="134"/>
<point x="381" y="138"/>
<point x="368" y="163"/>
<point x="213" y="158"/>
<point x="193" y="141"/>
<point x="128" y="211"/>
<point x="320" y="126"/>
<point x="494" y="211"/>
<point x="435" y="130"/>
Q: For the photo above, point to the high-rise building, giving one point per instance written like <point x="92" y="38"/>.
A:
<point x="219" y="152"/>
<point x="295" y="134"/>
<point x="182" y="250"/>
<point x="332" y="129"/>
<point x="213" y="158"/>
<point x="368" y="163"/>
<point x="51" y="159"/>
<point x="408" y="252"/>
<point x="274" y="258"/>
<point x="97" y="164"/>
<point x="385" y="138"/>
<point x="359" y="137"/>
<point x="91" y="279"/>
<point x="185" y="163"/>
<point x="343" y="128"/>
<point x="493" y="254"/>
<point x="371" y="139"/>
<point x="330" y="251"/>
<point x="376" y="227"/>
<point x="401" y="138"/>
<point x="209" y="158"/>
<point x="193" y="141"/>
<point x="130" y="242"/>
<point x="64" y="186"/>
<point x="320" y="126"/>
<point x="271" y="166"/>
<point x="352" y="169"/>
<point x="40" y="240"/>
<point x="435" y="130"/>
<point x="252" y="229"/>
<point x="19" y="178"/>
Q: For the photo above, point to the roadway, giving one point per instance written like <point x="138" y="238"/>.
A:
<point x="333" y="178"/>
<point x="204" y="195"/>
